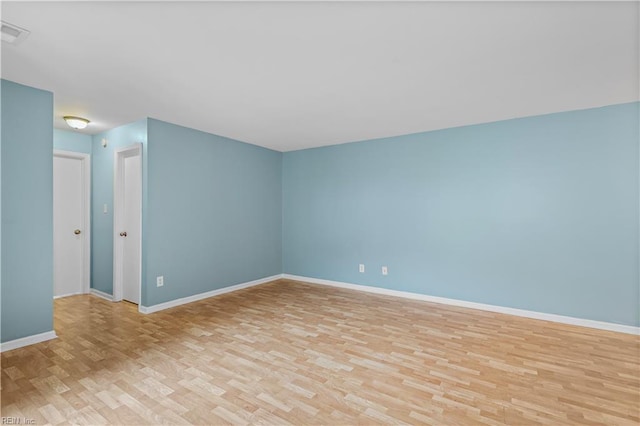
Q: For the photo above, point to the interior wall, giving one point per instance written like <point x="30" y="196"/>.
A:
<point x="67" y="140"/>
<point x="539" y="213"/>
<point x="26" y="288"/>
<point x="214" y="212"/>
<point x="102" y="193"/>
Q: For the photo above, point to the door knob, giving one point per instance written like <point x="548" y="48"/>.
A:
<point x="123" y="234"/>
<point x="77" y="231"/>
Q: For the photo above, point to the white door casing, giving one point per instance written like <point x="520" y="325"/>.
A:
<point x="71" y="223"/>
<point x="127" y="216"/>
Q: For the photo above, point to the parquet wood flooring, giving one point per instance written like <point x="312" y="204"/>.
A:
<point x="293" y="353"/>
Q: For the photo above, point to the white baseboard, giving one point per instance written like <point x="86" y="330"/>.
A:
<point x="621" y="328"/>
<point x="196" y="297"/>
<point x="67" y="295"/>
<point x="101" y="294"/>
<point x="26" y="341"/>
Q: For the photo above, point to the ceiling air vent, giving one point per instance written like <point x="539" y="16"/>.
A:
<point x="12" y="33"/>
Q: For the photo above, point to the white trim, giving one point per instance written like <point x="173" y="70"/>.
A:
<point x="196" y="297"/>
<point x="119" y="155"/>
<point x="26" y="341"/>
<point x="101" y="294"/>
<point x="621" y="328"/>
<point x="69" y="294"/>
<point x="85" y="164"/>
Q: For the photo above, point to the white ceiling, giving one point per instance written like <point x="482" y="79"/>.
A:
<point x="296" y="75"/>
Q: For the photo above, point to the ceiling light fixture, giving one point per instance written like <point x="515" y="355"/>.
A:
<point x="13" y="34"/>
<point x="78" y="123"/>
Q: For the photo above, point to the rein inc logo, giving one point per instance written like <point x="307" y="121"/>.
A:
<point x="18" y="421"/>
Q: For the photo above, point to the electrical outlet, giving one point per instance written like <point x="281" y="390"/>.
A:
<point x="385" y="271"/>
<point x="361" y="268"/>
<point x="159" y="281"/>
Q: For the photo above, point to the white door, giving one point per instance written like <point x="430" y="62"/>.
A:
<point x="70" y="223"/>
<point x="127" y="213"/>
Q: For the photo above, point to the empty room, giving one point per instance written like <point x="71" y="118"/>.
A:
<point x="320" y="213"/>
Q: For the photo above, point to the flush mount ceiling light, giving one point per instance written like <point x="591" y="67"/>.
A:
<point x="76" y="122"/>
<point x="13" y="34"/>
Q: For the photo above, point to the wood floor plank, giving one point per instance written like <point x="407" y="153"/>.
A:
<point x="293" y="353"/>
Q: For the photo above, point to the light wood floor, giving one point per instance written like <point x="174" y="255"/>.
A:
<point x="288" y="352"/>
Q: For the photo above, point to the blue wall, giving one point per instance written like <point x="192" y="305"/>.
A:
<point x="66" y="140"/>
<point x="102" y="193"/>
<point x="539" y="213"/>
<point x="27" y="211"/>
<point x="214" y="212"/>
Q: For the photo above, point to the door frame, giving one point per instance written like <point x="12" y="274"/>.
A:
<point x="85" y="164"/>
<point x="119" y="156"/>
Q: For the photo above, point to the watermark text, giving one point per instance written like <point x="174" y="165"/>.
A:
<point x="17" y="421"/>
